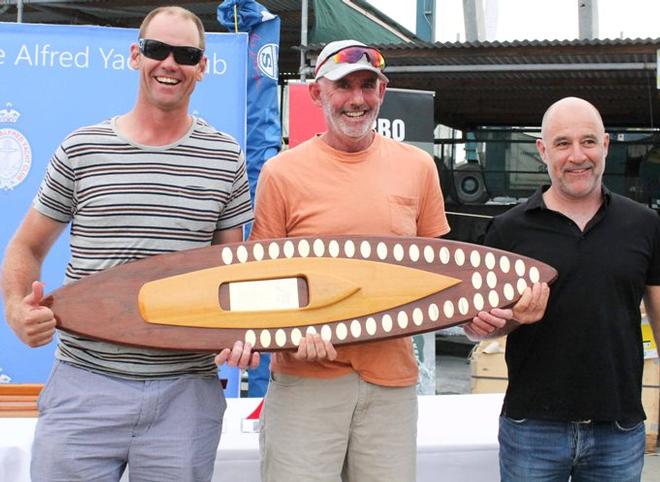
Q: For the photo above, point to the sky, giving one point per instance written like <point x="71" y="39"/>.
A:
<point x="533" y="20"/>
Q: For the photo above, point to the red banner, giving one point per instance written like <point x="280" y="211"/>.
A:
<point x="305" y="117"/>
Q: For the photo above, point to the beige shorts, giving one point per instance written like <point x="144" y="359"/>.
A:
<point x="327" y="430"/>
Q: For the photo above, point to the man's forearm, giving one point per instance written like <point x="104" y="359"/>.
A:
<point x="20" y="268"/>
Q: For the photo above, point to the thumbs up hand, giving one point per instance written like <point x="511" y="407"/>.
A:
<point x="33" y="324"/>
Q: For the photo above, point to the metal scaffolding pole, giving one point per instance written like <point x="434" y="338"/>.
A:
<point x="588" y="19"/>
<point x="303" y="38"/>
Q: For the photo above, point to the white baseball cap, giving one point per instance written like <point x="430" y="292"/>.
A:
<point x="331" y="70"/>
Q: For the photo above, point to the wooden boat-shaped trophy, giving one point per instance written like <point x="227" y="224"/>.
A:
<point x="271" y="293"/>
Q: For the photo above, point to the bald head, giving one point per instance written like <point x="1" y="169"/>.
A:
<point x="573" y="146"/>
<point x="568" y="107"/>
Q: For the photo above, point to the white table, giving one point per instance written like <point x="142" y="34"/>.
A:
<point x="456" y="440"/>
<point x="457" y="437"/>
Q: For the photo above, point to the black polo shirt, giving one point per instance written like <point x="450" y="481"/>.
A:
<point x="583" y="360"/>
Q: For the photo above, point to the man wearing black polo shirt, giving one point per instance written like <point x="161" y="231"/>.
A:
<point x="573" y="404"/>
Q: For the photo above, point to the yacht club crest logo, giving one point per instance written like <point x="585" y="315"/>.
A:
<point x="267" y="60"/>
<point x="15" y="151"/>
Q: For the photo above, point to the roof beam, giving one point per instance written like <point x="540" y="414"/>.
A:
<point x="76" y="3"/>
<point x="520" y="67"/>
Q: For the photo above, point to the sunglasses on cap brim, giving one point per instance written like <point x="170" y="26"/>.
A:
<point x="153" y="49"/>
<point x="352" y="55"/>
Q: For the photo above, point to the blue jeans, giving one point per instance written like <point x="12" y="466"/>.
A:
<point x="537" y="450"/>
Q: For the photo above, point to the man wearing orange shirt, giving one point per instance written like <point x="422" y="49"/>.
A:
<point x="349" y="412"/>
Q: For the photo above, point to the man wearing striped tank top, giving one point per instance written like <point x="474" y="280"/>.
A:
<point x="151" y="181"/>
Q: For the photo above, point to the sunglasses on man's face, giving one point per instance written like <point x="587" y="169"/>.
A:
<point x="153" y="49"/>
<point x="351" y="55"/>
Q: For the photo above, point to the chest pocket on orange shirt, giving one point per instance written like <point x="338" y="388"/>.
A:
<point x="403" y="214"/>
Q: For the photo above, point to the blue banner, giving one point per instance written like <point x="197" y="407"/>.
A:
<point x="264" y="133"/>
<point x="56" y="78"/>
